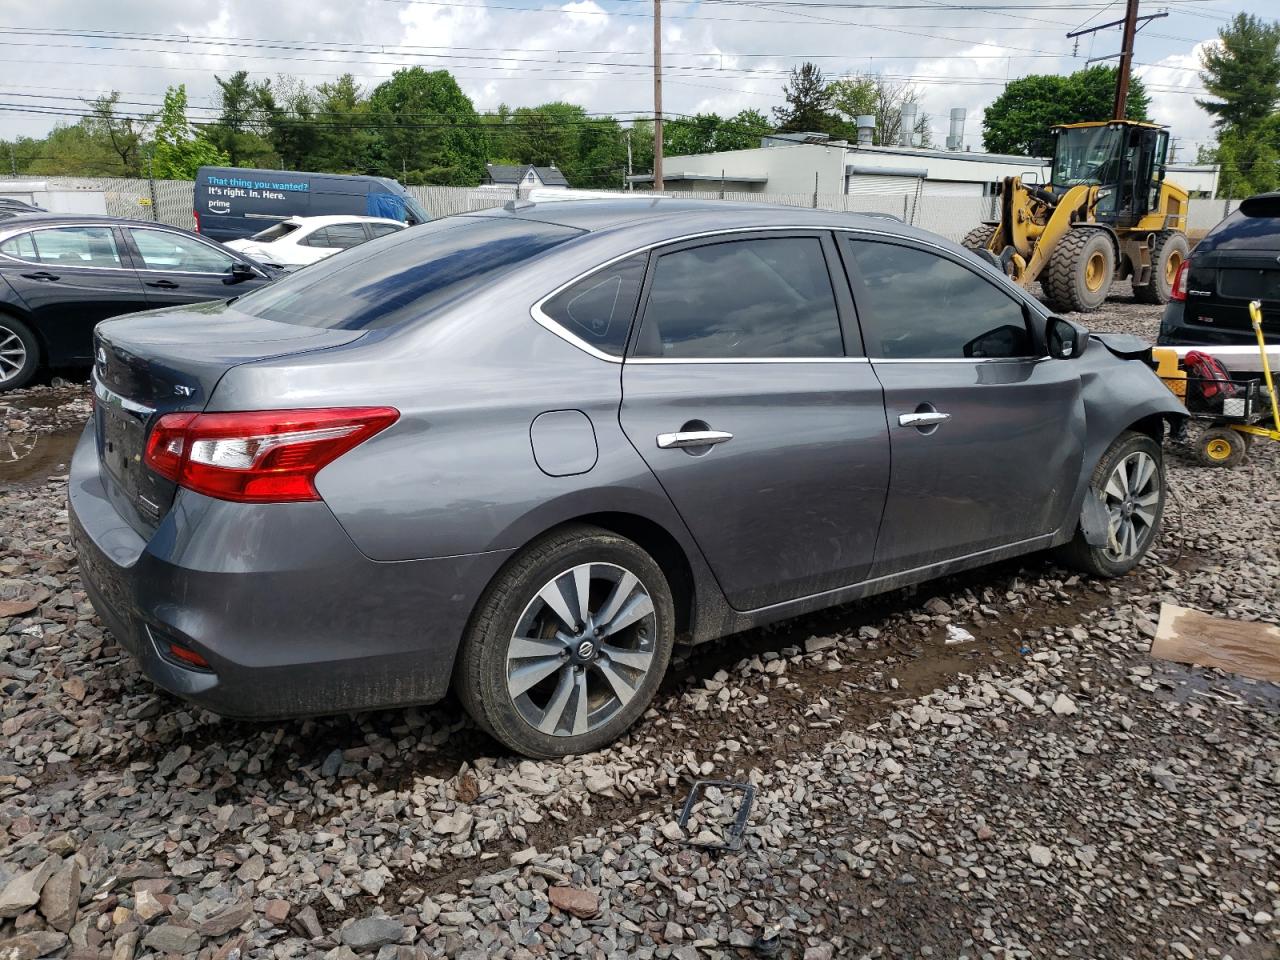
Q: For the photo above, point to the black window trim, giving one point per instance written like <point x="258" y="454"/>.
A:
<point x="1033" y="318"/>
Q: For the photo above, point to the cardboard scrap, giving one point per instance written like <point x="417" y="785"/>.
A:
<point x="1249" y="648"/>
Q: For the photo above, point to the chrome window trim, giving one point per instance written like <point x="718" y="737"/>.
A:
<point x="546" y="322"/>
<point x="7" y="235"/>
<point x="1027" y="359"/>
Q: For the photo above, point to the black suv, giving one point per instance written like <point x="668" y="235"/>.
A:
<point x="1237" y="261"/>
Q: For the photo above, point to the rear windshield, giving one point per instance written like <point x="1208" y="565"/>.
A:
<point x="276" y="232"/>
<point x="401" y="276"/>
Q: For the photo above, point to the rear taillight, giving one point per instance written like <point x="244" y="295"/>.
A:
<point x="1179" y="291"/>
<point x="195" y="215"/>
<point x="263" y="456"/>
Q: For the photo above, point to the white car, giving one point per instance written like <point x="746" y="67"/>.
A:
<point x="299" y="241"/>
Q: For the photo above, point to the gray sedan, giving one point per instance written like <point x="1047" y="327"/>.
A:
<point x="521" y="452"/>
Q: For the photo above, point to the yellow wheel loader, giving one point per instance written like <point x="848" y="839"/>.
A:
<point x="1106" y="214"/>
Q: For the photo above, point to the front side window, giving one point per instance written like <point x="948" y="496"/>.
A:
<point x="599" y="308"/>
<point x="403" y="277"/>
<point x="161" y="250"/>
<point x="742" y="299"/>
<point x="67" y="247"/>
<point x="914" y="305"/>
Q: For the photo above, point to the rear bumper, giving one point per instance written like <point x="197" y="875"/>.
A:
<point x="291" y="617"/>
<point x="1176" y="332"/>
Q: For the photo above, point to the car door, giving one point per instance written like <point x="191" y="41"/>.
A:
<point x="71" y="277"/>
<point x="761" y="421"/>
<point x="177" y="268"/>
<point x="987" y="432"/>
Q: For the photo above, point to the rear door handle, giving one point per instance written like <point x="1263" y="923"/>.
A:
<point x="163" y="284"/>
<point x="926" y="419"/>
<point x="692" y="438"/>
<point x="41" y="275"/>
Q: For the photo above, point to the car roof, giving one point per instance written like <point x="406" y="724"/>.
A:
<point x="340" y="218"/>
<point x="680" y="217"/>
<point x="52" y="219"/>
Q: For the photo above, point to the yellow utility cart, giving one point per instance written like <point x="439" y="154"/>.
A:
<point x="1233" y="410"/>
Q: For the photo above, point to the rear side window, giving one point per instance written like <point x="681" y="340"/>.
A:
<point x="404" y="276"/>
<point x="914" y="305"/>
<point x="754" y="298"/>
<point x="599" y="308"/>
<point x="346" y="235"/>
<point x="383" y="229"/>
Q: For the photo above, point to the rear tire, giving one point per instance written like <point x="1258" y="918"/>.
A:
<point x="1080" y="272"/>
<point x="1170" y="251"/>
<point x="978" y="238"/>
<point x="1129" y="480"/>
<point x="19" y="353"/>
<point x="545" y="687"/>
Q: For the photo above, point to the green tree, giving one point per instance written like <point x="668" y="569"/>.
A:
<point x="742" y="131"/>
<point x="346" y="141"/>
<point x="123" y="135"/>
<point x="1242" y="71"/>
<point x="1249" y="162"/>
<point x="429" y="130"/>
<point x="1020" y="118"/>
<point x="871" y="95"/>
<point x="179" y="150"/>
<point x="808" y="106"/>
<point x="288" y="110"/>
<point x="240" y="129"/>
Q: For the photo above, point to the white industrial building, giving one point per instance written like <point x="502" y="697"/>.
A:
<point x="814" y="164"/>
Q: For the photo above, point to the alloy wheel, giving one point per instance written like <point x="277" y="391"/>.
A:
<point x="581" y="649"/>
<point x="1132" y="497"/>
<point x="13" y="354"/>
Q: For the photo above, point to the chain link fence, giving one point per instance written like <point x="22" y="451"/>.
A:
<point x="172" y="202"/>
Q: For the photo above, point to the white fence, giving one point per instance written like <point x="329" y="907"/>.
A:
<point x="172" y="201"/>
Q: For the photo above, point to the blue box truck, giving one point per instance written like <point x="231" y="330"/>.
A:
<point x="235" y="202"/>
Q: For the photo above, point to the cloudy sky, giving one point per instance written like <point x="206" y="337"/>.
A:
<point x="720" y="55"/>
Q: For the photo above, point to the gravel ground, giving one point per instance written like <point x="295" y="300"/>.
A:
<point x="1044" y="790"/>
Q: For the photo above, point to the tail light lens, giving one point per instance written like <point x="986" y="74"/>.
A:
<point x="1179" y="291"/>
<point x="195" y="215"/>
<point x="265" y="456"/>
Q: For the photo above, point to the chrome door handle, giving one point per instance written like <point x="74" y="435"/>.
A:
<point x="692" y="438"/>
<point x="930" y="419"/>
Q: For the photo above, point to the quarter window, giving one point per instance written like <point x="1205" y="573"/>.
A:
<point x="162" y="250"/>
<point x="755" y="298"/>
<point x="915" y="305"/>
<point x="66" y="247"/>
<point x="599" y="308"/>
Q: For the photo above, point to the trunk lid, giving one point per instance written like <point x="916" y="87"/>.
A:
<point x="170" y="361"/>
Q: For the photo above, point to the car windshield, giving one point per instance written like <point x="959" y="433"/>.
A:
<point x="416" y="213"/>
<point x="275" y="232"/>
<point x="401" y="276"/>
<point x="1087" y="155"/>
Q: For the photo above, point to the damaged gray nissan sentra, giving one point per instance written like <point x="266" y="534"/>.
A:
<point x="520" y="452"/>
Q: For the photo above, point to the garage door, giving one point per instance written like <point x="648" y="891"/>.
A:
<point x="951" y="188"/>
<point x="873" y="185"/>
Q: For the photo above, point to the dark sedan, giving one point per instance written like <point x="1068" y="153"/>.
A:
<point x="61" y="274"/>
<point x="1237" y="261"/>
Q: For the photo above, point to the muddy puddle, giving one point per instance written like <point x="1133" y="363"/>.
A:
<point x="34" y="457"/>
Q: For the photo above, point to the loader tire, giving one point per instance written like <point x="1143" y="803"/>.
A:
<point x="1080" y="271"/>
<point x="1170" y="251"/>
<point x="978" y="238"/>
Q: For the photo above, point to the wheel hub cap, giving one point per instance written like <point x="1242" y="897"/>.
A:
<point x="1131" y="497"/>
<point x="582" y="649"/>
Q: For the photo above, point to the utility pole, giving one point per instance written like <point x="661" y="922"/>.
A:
<point x="627" y="185"/>
<point x="657" y="95"/>
<point x="1126" y="58"/>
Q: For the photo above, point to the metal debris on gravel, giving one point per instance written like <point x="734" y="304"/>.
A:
<point x="1047" y="789"/>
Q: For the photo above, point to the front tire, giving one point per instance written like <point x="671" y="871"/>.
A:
<point x="1168" y="254"/>
<point x="1129" y="480"/>
<point x="978" y="238"/>
<point x="1080" y="272"/>
<point x="19" y="353"/>
<point x="568" y="645"/>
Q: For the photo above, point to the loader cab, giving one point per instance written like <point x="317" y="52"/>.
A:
<point x="1125" y="159"/>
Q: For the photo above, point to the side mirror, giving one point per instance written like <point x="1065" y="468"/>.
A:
<point x="240" y="272"/>
<point x="1031" y="177"/>
<point x="1066" y="340"/>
